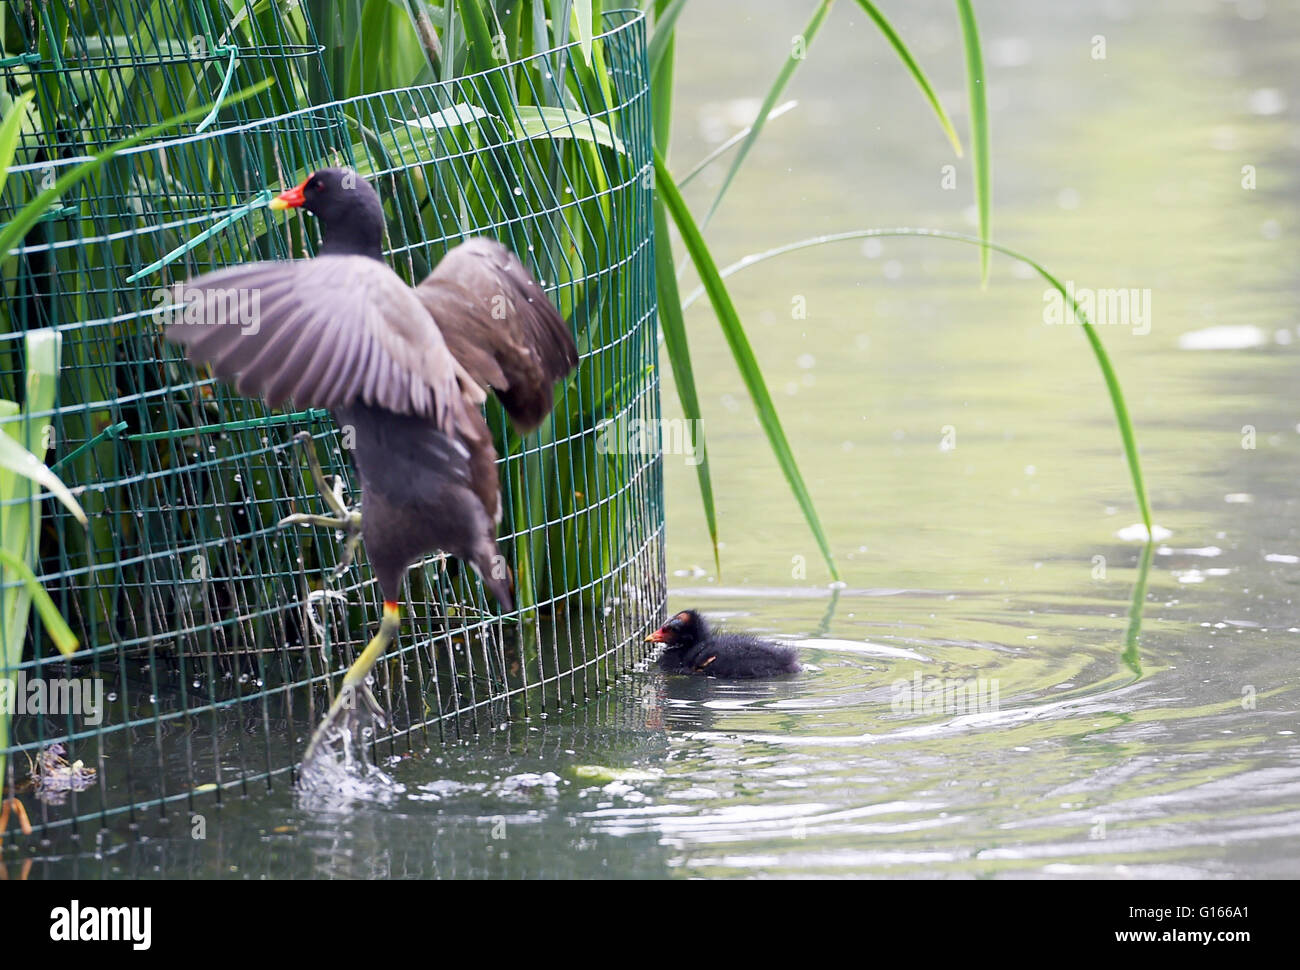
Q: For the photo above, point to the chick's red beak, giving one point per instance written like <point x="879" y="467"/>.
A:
<point x="289" y="198"/>
<point x="659" y="636"/>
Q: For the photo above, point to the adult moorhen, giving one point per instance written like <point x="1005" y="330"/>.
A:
<point x="691" y="648"/>
<point x="405" y="368"/>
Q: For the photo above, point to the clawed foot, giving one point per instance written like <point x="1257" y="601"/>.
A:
<point x="344" y="520"/>
<point x="349" y="524"/>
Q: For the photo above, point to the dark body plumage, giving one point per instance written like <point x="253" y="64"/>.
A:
<point x="419" y="497"/>
<point x="693" y="649"/>
<point x="405" y="368"/>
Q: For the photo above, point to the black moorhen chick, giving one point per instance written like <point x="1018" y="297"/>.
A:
<point x="405" y="368"/>
<point x="693" y="649"/>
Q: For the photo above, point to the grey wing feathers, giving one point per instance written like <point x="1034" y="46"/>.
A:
<point x="500" y="326"/>
<point x="326" y="332"/>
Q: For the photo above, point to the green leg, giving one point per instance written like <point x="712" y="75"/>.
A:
<point x="354" y="689"/>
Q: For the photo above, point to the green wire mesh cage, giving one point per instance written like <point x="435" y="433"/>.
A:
<point x="213" y="637"/>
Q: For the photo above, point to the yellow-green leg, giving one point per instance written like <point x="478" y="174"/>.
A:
<point x="354" y="688"/>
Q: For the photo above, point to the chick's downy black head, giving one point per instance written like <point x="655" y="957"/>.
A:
<point x="684" y="630"/>
<point x="351" y="214"/>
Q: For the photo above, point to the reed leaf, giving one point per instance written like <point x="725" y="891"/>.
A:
<point x="914" y="69"/>
<point x="979" y="127"/>
<point x="20" y="514"/>
<point x="673" y="325"/>
<point x="783" y="76"/>
<point x="734" y="332"/>
<point x="17" y="460"/>
<point x="1132" y="655"/>
<point x="765" y="113"/>
<point x="661" y="83"/>
<point x="582" y="23"/>
<point x="55" y="625"/>
<point x="10" y="129"/>
<point x="661" y="40"/>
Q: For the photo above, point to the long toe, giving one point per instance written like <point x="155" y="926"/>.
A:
<point x="307" y="519"/>
<point x="373" y="708"/>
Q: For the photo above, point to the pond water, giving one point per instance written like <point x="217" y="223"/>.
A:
<point x="965" y="462"/>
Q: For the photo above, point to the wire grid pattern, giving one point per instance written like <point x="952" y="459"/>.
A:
<point x="219" y="636"/>
<point x="124" y="65"/>
<point x="625" y="725"/>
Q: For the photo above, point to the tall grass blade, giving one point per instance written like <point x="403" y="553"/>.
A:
<point x="665" y="24"/>
<point x="10" y="129"/>
<point x="979" y="127"/>
<point x="673" y="324"/>
<point x="792" y="62"/>
<point x="1132" y="655"/>
<point x="582" y="20"/>
<point x="661" y="82"/>
<point x="23" y="443"/>
<point x="734" y="332"/>
<point x="482" y="51"/>
<point x="536" y="121"/>
<point x="729" y="144"/>
<point x="55" y="625"/>
<point x="914" y="69"/>
<point x="17" y="460"/>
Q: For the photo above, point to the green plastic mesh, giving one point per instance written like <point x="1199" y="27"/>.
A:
<point x="218" y="637"/>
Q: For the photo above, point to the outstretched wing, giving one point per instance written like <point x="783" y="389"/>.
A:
<point x="326" y="332"/>
<point x="500" y="327"/>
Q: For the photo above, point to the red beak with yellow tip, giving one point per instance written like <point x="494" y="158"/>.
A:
<point x="659" y="636"/>
<point x="289" y="198"/>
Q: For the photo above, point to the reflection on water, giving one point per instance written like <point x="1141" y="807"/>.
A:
<point x="1145" y="719"/>
<point x="1081" y="769"/>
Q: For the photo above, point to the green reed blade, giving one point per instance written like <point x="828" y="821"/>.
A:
<point x="914" y="69"/>
<point x="10" y="129"/>
<point x="792" y="62"/>
<point x="55" y="625"/>
<point x="1132" y="655"/>
<point x="17" y="460"/>
<point x="23" y="443"/>
<point x="661" y="84"/>
<point x="979" y="127"/>
<point x="582" y="21"/>
<point x="750" y="371"/>
<point x="673" y="325"/>
<point x="660" y="41"/>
